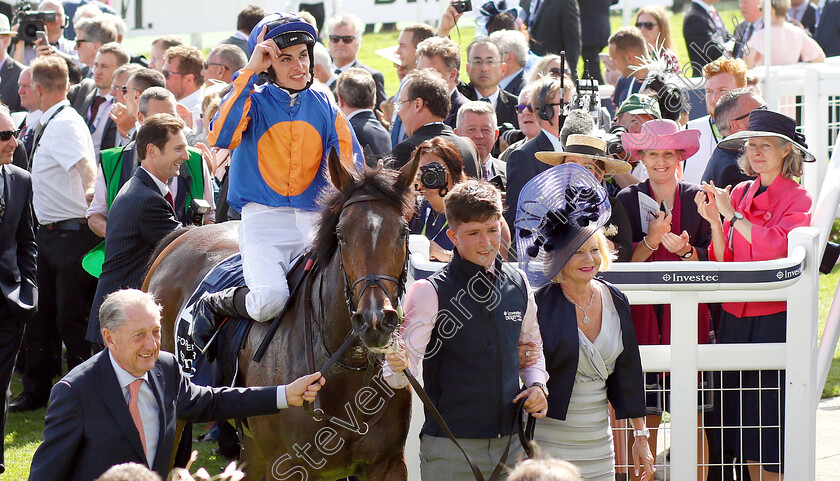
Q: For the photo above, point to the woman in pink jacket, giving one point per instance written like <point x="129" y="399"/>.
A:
<point x="758" y="215"/>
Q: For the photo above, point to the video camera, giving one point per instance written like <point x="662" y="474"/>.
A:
<point x="31" y="21"/>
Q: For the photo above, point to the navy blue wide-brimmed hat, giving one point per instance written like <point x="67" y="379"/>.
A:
<point x="557" y="212"/>
<point x="766" y="123"/>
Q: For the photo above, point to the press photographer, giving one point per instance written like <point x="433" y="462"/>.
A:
<point x="48" y="18"/>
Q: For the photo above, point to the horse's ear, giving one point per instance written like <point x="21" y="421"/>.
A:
<point x="339" y="175"/>
<point x="409" y="171"/>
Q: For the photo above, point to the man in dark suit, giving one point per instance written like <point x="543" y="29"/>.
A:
<point x="444" y="56"/>
<point x="92" y="97"/>
<point x="422" y="105"/>
<point x="356" y="93"/>
<point x="485" y="69"/>
<point x="704" y="32"/>
<point x="344" y="35"/>
<point x="477" y="122"/>
<point x="122" y="404"/>
<point x="555" y="27"/>
<point x="246" y="20"/>
<point x="514" y="48"/>
<point x="804" y="13"/>
<point x="143" y="212"/>
<point x="522" y="164"/>
<point x="828" y="28"/>
<point x="732" y="115"/>
<point x="17" y="260"/>
<point x="10" y="70"/>
<point x="752" y="23"/>
<point x="595" y="17"/>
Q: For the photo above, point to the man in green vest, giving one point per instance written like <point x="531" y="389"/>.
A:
<point x="118" y="164"/>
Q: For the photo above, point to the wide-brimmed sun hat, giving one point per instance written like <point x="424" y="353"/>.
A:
<point x="662" y="135"/>
<point x="593" y="148"/>
<point x="766" y="123"/>
<point x="558" y="211"/>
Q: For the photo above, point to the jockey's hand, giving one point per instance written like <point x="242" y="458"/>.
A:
<point x="304" y="388"/>
<point x="535" y="402"/>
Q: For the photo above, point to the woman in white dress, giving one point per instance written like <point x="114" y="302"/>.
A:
<point x="588" y="337"/>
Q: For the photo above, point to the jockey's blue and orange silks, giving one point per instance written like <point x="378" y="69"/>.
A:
<point x="281" y="143"/>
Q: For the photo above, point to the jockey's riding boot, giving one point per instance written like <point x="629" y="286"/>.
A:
<point x="212" y="308"/>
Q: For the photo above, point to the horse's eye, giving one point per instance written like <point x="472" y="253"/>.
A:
<point x="403" y="231"/>
<point x="340" y="236"/>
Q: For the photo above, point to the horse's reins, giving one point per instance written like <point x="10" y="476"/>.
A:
<point x="370" y="280"/>
<point x="375" y="280"/>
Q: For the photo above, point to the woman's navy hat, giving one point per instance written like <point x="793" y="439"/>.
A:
<point x="766" y="123"/>
<point x="558" y="211"/>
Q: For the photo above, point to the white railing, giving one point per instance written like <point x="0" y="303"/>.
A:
<point x="823" y="219"/>
<point x="709" y="282"/>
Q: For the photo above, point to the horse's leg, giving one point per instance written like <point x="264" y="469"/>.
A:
<point x="392" y="470"/>
<point x="255" y="468"/>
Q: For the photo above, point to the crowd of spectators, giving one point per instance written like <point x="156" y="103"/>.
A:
<point x="79" y="147"/>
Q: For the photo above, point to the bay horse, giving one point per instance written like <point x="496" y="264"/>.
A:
<point x="354" y="286"/>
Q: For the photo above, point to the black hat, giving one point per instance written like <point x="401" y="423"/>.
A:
<point x="766" y="123"/>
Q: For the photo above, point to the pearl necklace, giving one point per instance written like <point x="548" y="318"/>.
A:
<point x="586" y="319"/>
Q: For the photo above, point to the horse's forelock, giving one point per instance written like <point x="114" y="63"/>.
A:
<point x="378" y="182"/>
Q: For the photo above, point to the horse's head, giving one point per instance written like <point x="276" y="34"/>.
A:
<point x="372" y="237"/>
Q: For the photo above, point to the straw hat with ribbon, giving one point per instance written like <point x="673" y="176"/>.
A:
<point x="593" y="149"/>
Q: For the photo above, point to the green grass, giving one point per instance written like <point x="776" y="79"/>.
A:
<point x="23" y="431"/>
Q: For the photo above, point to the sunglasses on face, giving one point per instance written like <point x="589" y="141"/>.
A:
<point x="124" y="88"/>
<point x="207" y="64"/>
<point x="167" y="73"/>
<point x="646" y="25"/>
<point x="763" y="107"/>
<point x="557" y="72"/>
<point x="347" y="39"/>
<point x="5" y="135"/>
<point x="520" y="109"/>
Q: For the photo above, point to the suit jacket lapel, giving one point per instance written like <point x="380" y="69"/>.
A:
<point x="113" y="397"/>
<point x="164" y="445"/>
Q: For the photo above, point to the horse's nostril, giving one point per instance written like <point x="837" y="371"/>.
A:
<point x="390" y="319"/>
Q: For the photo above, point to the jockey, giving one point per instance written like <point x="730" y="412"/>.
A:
<point x="282" y="132"/>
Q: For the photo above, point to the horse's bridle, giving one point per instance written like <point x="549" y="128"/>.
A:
<point x="371" y="280"/>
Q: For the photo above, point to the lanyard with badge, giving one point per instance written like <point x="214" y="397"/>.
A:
<point x="40" y="133"/>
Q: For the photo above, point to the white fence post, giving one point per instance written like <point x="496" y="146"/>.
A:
<point x="814" y="119"/>
<point x="801" y="374"/>
<point x="683" y="385"/>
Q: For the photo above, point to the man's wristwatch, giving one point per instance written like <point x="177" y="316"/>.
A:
<point x="641" y="432"/>
<point x="735" y="218"/>
<point x="542" y="387"/>
<point x="688" y="254"/>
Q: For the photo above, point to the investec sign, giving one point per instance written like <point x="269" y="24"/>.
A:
<point x="663" y="277"/>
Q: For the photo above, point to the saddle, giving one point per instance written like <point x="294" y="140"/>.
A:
<point x="219" y="365"/>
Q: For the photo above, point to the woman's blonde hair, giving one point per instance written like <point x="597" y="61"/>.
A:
<point x="607" y="254"/>
<point x="791" y="164"/>
<point x="661" y="17"/>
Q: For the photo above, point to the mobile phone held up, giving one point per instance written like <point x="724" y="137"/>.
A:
<point x="42" y="36"/>
<point x="462" y="6"/>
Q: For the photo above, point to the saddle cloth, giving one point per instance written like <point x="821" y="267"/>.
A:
<point x="231" y="336"/>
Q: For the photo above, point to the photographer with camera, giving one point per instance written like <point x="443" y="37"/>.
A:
<point x="48" y="19"/>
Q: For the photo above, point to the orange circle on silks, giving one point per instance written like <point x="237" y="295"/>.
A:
<point x="285" y="154"/>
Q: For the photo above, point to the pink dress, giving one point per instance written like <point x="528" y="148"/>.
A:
<point x="791" y="44"/>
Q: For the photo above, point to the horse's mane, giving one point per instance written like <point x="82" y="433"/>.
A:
<point x="378" y="182"/>
<point x="164" y="243"/>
